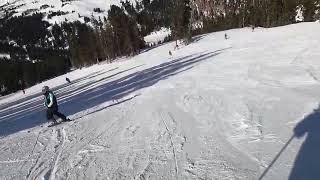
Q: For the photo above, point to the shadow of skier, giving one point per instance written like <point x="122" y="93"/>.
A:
<point x="306" y="165"/>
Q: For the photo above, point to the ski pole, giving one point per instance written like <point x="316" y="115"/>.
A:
<point x="276" y="158"/>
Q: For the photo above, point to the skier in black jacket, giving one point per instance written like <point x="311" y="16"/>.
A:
<point x="50" y="102"/>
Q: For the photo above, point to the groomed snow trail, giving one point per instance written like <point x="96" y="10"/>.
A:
<point x="215" y="109"/>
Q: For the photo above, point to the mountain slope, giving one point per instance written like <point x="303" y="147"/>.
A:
<point x="215" y="109"/>
<point x="59" y="10"/>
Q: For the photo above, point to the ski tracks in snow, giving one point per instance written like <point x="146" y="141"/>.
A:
<point x="172" y="145"/>
<point x="49" y="154"/>
<point x="61" y="135"/>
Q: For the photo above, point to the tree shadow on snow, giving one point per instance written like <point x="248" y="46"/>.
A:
<point x="32" y="103"/>
<point x="307" y="162"/>
<point x="29" y="101"/>
<point x="90" y="94"/>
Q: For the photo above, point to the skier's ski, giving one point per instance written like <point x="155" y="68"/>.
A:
<point x="58" y="123"/>
<point x="54" y="124"/>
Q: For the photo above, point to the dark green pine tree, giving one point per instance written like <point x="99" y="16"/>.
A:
<point x="126" y="34"/>
<point x="181" y="14"/>
<point x="310" y="9"/>
<point x="109" y="40"/>
<point x="59" y="38"/>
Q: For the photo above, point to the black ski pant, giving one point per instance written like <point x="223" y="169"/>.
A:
<point x="54" y="111"/>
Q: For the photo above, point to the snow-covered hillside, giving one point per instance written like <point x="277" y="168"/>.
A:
<point x="59" y="10"/>
<point x="215" y="109"/>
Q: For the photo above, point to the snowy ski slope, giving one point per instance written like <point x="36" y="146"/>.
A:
<point x="215" y="109"/>
<point x="72" y="9"/>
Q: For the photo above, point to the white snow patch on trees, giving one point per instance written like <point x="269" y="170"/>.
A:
<point x="5" y="56"/>
<point x="157" y="36"/>
<point x="299" y="11"/>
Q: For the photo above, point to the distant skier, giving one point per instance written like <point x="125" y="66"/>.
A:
<point x="3" y="90"/>
<point x="22" y="86"/>
<point x="170" y="53"/>
<point x="50" y="102"/>
<point x="226" y="36"/>
<point x="176" y="46"/>
<point x="68" y="80"/>
<point x="253" y="27"/>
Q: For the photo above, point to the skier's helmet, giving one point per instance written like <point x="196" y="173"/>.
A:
<point x="45" y="89"/>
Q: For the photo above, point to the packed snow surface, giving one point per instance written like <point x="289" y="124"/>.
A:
<point x="215" y="109"/>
